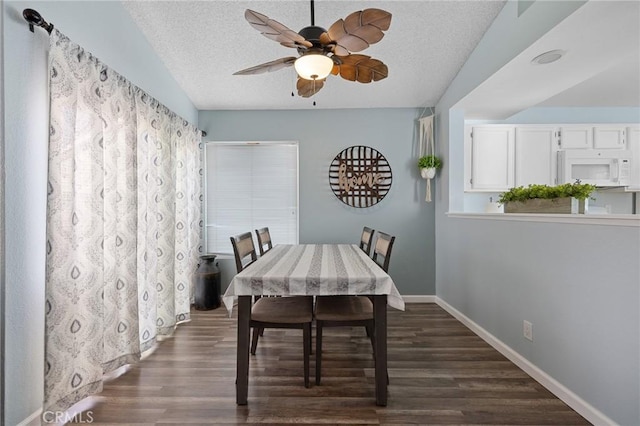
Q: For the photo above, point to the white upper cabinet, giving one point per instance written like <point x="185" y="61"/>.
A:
<point x="593" y="136"/>
<point x="576" y="137"/>
<point x="492" y="165"/>
<point x="535" y="155"/>
<point x="501" y="156"/>
<point x="605" y="137"/>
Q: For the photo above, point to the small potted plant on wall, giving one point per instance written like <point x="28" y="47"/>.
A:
<point x="428" y="165"/>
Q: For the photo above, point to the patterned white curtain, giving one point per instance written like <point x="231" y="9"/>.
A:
<point x="123" y="222"/>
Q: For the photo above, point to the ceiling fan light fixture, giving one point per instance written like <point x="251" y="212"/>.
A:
<point x="313" y="66"/>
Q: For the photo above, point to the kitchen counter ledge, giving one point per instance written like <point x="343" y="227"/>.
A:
<point x="629" y="220"/>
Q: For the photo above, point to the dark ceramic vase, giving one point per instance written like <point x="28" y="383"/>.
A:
<point x="207" y="284"/>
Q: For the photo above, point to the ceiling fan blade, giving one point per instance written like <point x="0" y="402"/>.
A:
<point x="308" y="88"/>
<point x="378" y="18"/>
<point x="357" y="31"/>
<point x="360" y="68"/>
<point x="332" y="46"/>
<point x="268" y="66"/>
<point x="274" y="30"/>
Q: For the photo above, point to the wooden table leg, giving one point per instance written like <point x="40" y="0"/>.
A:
<point x="242" y="365"/>
<point x="380" y="333"/>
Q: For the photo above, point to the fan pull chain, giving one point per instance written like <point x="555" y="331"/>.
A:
<point x="314" y="84"/>
<point x="293" y="82"/>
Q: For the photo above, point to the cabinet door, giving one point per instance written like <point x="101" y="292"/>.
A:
<point x="492" y="158"/>
<point x="535" y="149"/>
<point x="609" y="137"/>
<point x="633" y="135"/>
<point x="576" y="137"/>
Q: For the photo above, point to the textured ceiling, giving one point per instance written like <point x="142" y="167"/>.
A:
<point x="203" y="43"/>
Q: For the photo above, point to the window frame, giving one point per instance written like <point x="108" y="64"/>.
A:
<point x="205" y="187"/>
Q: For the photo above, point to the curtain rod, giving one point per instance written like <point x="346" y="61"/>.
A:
<point x="34" y="18"/>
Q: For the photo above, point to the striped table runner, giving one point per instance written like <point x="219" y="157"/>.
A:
<point x="313" y="270"/>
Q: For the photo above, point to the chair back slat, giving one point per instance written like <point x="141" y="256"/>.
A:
<point x="264" y="239"/>
<point x="243" y="247"/>
<point x="365" y="239"/>
<point x="382" y="250"/>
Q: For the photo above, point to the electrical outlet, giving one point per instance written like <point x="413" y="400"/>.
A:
<point x="527" y="329"/>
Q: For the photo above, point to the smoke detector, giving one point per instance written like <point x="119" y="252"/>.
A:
<point x="548" y="57"/>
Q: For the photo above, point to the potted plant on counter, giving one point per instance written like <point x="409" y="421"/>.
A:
<point x="428" y="165"/>
<point x="566" y="198"/>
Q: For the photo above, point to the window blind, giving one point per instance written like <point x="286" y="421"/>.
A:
<point x="249" y="186"/>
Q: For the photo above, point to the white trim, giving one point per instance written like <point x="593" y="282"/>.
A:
<point x="29" y="421"/>
<point x="419" y="299"/>
<point x="581" y="406"/>
<point x="630" y="220"/>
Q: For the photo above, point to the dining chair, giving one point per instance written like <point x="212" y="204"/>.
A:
<point x="365" y="239"/>
<point x="350" y="311"/>
<point x="264" y="239"/>
<point x="274" y="312"/>
<point x="382" y="250"/>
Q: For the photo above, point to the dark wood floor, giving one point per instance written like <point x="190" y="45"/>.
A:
<point x="440" y="373"/>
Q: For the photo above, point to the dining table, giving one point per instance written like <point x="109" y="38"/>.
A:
<point x="313" y="270"/>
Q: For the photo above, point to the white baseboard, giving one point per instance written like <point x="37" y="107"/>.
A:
<point x="33" y="419"/>
<point x="581" y="406"/>
<point x="419" y="299"/>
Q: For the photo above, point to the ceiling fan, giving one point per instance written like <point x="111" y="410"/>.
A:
<point x="323" y="52"/>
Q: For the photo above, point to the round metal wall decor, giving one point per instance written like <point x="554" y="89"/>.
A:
<point x="360" y="176"/>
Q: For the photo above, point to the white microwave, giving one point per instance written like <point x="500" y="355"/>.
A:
<point x="599" y="167"/>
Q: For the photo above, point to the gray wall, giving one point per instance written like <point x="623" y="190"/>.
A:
<point x="578" y="284"/>
<point x="2" y="322"/>
<point x="105" y="29"/>
<point x="322" y="134"/>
